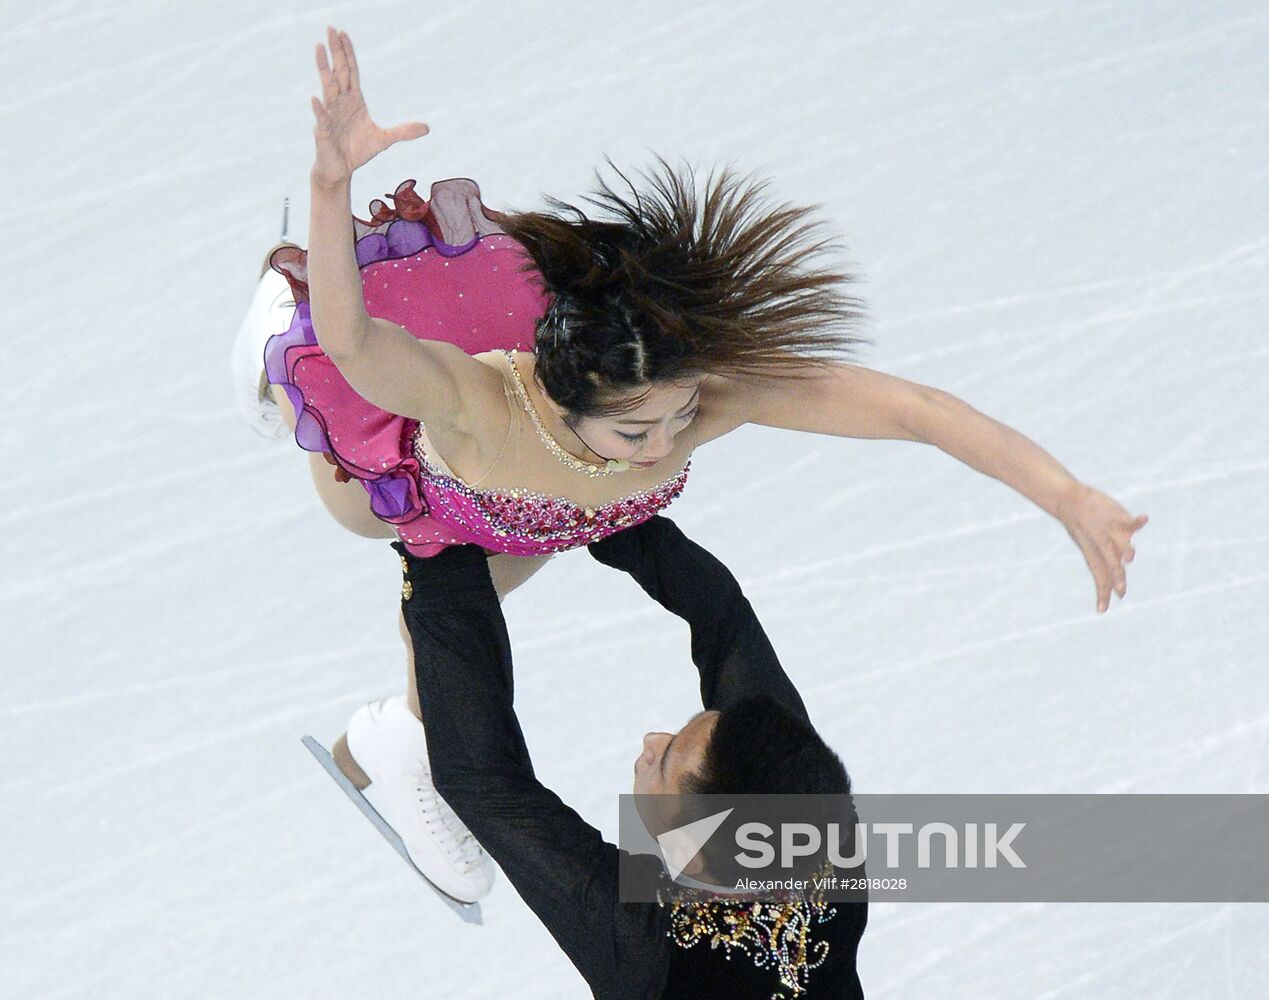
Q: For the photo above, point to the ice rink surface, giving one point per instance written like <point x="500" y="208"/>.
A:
<point x="1061" y="213"/>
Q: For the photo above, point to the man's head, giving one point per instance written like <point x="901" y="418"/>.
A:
<point x="756" y="747"/>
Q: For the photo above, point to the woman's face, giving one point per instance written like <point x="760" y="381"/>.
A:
<point x="645" y="434"/>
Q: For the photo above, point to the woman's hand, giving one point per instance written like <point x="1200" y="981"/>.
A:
<point x="345" y="135"/>
<point x="1103" y="530"/>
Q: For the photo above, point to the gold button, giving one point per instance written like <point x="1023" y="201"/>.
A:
<point x="407" y="588"/>
<point x="590" y="513"/>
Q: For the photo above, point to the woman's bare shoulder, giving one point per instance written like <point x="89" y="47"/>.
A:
<point x="722" y="407"/>
<point x="466" y="445"/>
<point x="497" y="360"/>
<point x="486" y="407"/>
<point x="498" y="374"/>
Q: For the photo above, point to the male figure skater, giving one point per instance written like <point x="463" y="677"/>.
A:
<point x="753" y="736"/>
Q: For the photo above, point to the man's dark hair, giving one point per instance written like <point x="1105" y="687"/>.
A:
<point x="759" y="747"/>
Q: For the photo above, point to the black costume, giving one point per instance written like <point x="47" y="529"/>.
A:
<point x="561" y="866"/>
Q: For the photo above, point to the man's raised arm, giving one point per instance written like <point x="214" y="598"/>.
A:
<point x="559" y="863"/>
<point x="729" y="646"/>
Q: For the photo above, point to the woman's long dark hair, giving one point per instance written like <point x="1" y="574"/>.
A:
<point x="671" y="282"/>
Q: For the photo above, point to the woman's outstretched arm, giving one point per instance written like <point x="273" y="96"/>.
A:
<point x="387" y="365"/>
<point x="851" y="401"/>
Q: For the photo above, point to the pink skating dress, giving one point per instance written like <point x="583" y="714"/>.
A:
<point x="444" y="270"/>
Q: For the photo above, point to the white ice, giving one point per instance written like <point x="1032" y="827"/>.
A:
<point x="1062" y="215"/>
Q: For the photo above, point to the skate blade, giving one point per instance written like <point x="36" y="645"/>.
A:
<point x="470" y="912"/>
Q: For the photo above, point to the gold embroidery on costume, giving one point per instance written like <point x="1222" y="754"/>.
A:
<point x="773" y="935"/>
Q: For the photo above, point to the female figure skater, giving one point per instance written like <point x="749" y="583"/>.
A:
<point x="533" y="383"/>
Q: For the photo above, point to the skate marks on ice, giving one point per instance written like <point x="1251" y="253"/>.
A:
<point x="469" y="912"/>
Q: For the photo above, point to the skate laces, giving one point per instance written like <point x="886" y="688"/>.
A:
<point x="460" y="846"/>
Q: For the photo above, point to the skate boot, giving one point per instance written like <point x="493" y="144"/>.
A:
<point x="270" y="313"/>
<point x="387" y="743"/>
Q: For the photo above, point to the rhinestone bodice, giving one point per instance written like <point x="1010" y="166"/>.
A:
<point x="525" y="522"/>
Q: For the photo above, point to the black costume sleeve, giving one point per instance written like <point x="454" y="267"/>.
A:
<point x="729" y="647"/>
<point x="559" y="864"/>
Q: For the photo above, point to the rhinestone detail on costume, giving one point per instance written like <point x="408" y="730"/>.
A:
<point x="773" y="935"/>
<point x="552" y="524"/>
